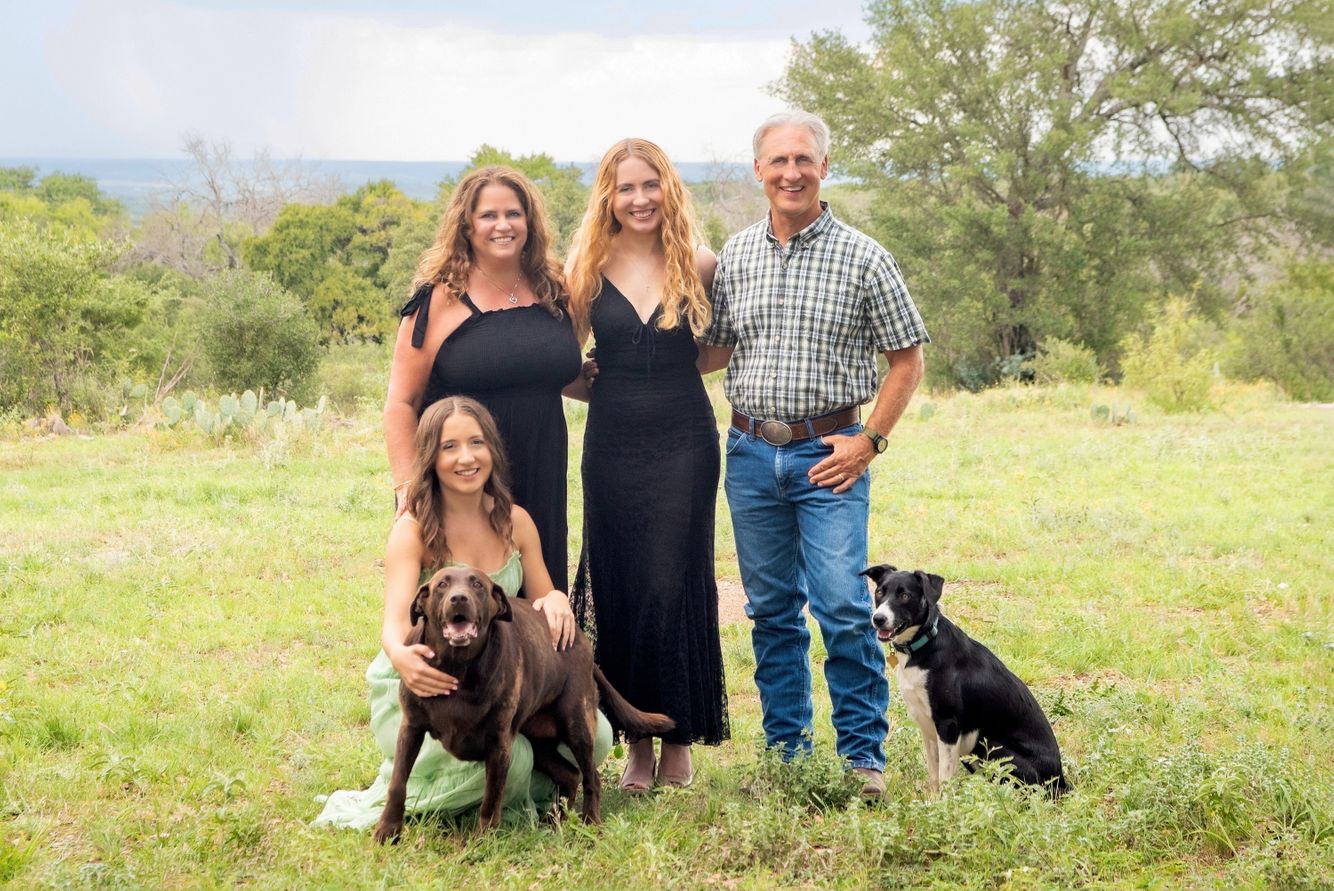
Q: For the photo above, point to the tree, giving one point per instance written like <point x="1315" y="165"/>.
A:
<point x="332" y="257"/>
<point x="63" y="324"/>
<point x="200" y="224"/>
<point x="255" y="334"/>
<point x="1041" y="168"/>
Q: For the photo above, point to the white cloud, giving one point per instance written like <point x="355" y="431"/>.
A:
<point x="344" y="86"/>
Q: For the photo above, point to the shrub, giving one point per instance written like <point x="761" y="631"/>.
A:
<point x="255" y="334"/>
<point x="1172" y="364"/>
<point x="63" y="323"/>
<point x="1288" y="334"/>
<point x="1062" y="362"/>
<point x="355" y="374"/>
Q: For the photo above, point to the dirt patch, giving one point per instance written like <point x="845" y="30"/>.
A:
<point x="731" y="602"/>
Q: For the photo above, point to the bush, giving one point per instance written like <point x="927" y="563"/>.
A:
<point x="355" y="374"/>
<point x="1288" y="334"/>
<point x="1172" y="365"/>
<point x="63" y="323"/>
<point x="255" y="334"/>
<point x="1062" y="362"/>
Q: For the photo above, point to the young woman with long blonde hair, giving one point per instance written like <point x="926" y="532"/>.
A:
<point x="639" y="283"/>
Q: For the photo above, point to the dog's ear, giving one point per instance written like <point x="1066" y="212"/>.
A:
<point x="503" y="611"/>
<point x="932" y="584"/>
<point x="418" y="611"/>
<point x="876" y="573"/>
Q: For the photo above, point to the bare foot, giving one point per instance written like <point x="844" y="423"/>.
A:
<point x="676" y="768"/>
<point x="638" y="776"/>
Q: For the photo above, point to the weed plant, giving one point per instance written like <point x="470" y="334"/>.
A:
<point x="185" y="622"/>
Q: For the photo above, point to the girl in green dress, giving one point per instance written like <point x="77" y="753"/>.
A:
<point x="459" y="511"/>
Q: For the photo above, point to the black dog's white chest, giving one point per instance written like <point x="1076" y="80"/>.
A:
<point x="912" y="687"/>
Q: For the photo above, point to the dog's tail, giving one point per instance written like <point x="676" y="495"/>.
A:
<point x="631" y="720"/>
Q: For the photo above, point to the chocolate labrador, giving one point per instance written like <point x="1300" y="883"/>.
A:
<point x="511" y="681"/>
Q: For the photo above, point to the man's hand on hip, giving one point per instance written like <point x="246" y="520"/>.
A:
<point x="852" y="455"/>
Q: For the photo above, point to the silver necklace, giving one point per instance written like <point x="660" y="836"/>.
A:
<point x="510" y="295"/>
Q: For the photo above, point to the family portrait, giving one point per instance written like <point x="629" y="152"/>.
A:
<point x="885" y="449"/>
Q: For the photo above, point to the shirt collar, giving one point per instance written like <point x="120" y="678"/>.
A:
<point x="821" y="224"/>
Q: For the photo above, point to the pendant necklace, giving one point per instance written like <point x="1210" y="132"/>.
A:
<point x="510" y="295"/>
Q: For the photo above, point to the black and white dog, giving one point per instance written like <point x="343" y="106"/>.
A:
<point x="964" y="700"/>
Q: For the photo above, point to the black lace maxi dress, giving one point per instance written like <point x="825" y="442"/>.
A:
<point x="646" y="588"/>
<point x="515" y="362"/>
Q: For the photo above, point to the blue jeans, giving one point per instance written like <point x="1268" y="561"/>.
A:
<point x="799" y="543"/>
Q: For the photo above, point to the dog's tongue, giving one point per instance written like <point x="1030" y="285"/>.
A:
<point x="883" y="633"/>
<point x="460" y="634"/>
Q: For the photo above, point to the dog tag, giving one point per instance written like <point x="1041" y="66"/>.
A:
<point x="892" y="658"/>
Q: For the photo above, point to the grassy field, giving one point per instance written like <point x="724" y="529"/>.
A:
<point x="184" y="625"/>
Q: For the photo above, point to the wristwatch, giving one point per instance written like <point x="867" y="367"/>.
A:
<point x="878" y="442"/>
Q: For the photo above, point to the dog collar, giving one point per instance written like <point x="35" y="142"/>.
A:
<point x="922" y="639"/>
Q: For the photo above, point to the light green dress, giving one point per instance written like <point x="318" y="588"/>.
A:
<point x="441" y="783"/>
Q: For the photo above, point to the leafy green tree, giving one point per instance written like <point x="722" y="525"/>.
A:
<point x="63" y="323"/>
<point x="70" y="201"/>
<point x="1048" y="169"/>
<point x="301" y="245"/>
<point x="1287" y="333"/>
<point x="256" y="334"/>
<point x="331" y="256"/>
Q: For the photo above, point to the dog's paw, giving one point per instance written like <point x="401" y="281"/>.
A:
<point x="388" y="832"/>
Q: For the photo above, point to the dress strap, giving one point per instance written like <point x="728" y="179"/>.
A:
<point x="420" y="303"/>
<point x="467" y="301"/>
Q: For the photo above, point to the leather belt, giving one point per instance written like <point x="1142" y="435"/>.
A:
<point x="779" y="433"/>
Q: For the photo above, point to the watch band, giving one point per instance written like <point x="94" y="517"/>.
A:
<point x="878" y="442"/>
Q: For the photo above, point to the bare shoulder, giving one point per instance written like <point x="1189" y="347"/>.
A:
<point x="405" y="537"/>
<point x="521" y="520"/>
<point x="706" y="261"/>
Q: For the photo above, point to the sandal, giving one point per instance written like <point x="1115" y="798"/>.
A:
<point x="640" y="784"/>
<point x="680" y="781"/>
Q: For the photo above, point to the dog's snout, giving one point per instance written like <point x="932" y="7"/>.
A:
<point x="879" y="619"/>
<point x="458" y="598"/>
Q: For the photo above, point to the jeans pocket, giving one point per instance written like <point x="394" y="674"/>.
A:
<point x="734" y="439"/>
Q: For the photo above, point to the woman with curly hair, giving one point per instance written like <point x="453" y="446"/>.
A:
<point x="645" y="589"/>
<point x="487" y="320"/>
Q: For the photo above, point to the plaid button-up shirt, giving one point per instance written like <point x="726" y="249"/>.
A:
<point x="808" y="319"/>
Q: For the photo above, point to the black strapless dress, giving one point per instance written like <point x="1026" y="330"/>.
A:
<point x="515" y="362"/>
<point x="646" y="589"/>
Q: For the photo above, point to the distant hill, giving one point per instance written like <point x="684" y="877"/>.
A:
<point x="136" y="182"/>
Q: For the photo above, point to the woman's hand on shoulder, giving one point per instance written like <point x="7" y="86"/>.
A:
<point x="409" y="660"/>
<point x="556" y="607"/>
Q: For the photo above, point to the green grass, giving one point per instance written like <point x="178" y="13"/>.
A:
<point x="184" y="625"/>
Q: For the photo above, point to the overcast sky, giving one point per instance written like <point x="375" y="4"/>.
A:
<point x="407" y="81"/>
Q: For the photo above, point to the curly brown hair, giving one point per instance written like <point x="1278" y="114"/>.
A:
<point x="450" y="257"/>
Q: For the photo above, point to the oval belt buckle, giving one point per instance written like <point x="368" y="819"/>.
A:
<point x="776" y="433"/>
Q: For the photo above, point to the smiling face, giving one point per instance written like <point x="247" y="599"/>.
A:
<point x="463" y="461"/>
<point x="499" y="225"/>
<point x="790" y="169"/>
<point x="636" y="203"/>
<point x="902" y="601"/>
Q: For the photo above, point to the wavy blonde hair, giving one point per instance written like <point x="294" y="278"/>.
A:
<point x="426" y="501"/>
<point x="450" y="257"/>
<point x="683" y="293"/>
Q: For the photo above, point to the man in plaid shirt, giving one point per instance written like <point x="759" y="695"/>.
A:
<point x="802" y="303"/>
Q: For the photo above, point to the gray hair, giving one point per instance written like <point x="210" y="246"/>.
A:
<point x="818" y="129"/>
